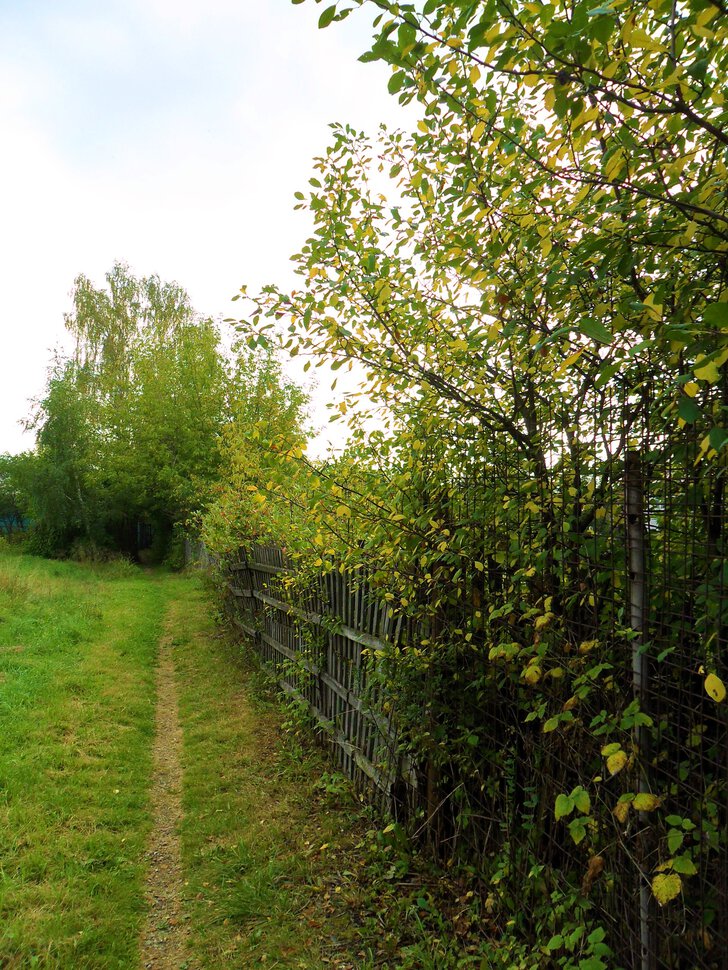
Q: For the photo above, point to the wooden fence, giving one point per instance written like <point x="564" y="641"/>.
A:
<point x="316" y="646"/>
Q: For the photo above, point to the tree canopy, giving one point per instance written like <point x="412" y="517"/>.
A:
<point x="534" y="284"/>
<point x="133" y="424"/>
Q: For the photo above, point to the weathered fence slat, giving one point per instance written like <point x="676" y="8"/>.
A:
<point x="327" y="673"/>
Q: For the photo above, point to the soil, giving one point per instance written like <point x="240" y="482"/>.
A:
<point x="164" y="936"/>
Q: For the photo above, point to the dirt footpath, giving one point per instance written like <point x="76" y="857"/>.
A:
<point x="164" y="936"/>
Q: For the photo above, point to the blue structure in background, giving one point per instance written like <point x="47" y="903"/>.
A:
<point x="10" y="524"/>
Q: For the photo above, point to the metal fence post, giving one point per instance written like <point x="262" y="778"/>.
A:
<point x="634" y="501"/>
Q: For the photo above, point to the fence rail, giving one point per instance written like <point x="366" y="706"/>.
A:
<point x="318" y="652"/>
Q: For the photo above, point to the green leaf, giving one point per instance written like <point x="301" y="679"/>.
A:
<point x="600" y="11"/>
<point x="684" y="865"/>
<point x="675" y="840"/>
<point x="577" y="829"/>
<point x="718" y="437"/>
<point x="327" y="16"/>
<point x="610" y="749"/>
<point x="564" y="806"/>
<point x="716" y="315"/>
<point x="688" y="410"/>
<point x="555" y="943"/>
<point x="581" y="800"/>
<point x="596" y="330"/>
<point x="396" y="82"/>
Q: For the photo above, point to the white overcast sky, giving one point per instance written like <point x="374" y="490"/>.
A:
<point x="170" y="134"/>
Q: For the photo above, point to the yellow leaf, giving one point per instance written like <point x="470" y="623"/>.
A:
<point x="532" y="675"/>
<point x="705" y="16"/>
<point x="715" y="688"/>
<point x="641" y="39"/>
<point x="691" y="388"/>
<point x="616" y="761"/>
<point x="666" y="886"/>
<point x="568" y="362"/>
<point x="644" y="802"/>
<point x="614" y="164"/>
<point x="654" y="310"/>
<point x="621" y="811"/>
<point x="343" y="512"/>
<point x="707" y="372"/>
<point x="542" y="621"/>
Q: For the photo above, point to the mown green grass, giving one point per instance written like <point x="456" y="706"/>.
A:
<point x="77" y="653"/>
<point x="256" y="833"/>
<point x="285" y="866"/>
<point x="280" y="866"/>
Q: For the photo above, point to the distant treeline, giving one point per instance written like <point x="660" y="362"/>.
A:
<point x="138" y="427"/>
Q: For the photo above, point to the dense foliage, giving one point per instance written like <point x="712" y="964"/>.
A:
<point x="534" y="286"/>
<point x="135" y="426"/>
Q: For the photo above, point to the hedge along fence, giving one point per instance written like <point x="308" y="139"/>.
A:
<point x="576" y="754"/>
<point x="318" y="645"/>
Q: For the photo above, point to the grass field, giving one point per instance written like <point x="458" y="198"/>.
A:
<point x="78" y="647"/>
<point x="279" y="864"/>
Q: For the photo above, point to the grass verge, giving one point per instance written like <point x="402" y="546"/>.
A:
<point x="286" y="867"/>
<point x="256" y="830"/>
<point x="283" y="865"/>
<point x="77" y="651"/>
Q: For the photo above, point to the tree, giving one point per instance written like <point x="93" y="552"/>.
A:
<point x="161" y="455"/>
<point x="57" y="479"/>
<point x="267" y="427"/>
<point x="142" y="420"/>
<point x="535" y="286"/>
<point x="622" y="102"/>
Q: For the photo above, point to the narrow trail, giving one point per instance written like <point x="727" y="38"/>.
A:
<point x="164" y="936"/>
